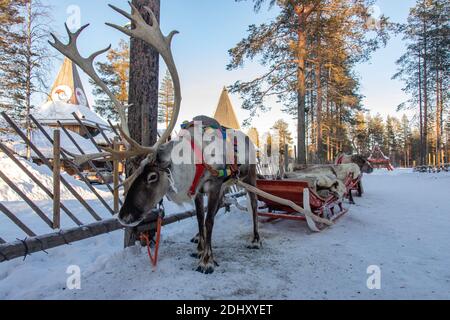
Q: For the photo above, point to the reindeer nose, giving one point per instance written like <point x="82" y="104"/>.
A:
<point x="126" y="220"/>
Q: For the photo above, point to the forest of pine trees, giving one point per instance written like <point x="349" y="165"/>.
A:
<point x="310" y="51"/>
<point x="424" y="69"/>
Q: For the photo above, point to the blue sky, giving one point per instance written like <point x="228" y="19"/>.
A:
<point x="208" y="28"/>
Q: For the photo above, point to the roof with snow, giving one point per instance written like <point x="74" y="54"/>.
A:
<point x="51" y="112"/>
<point x="66" y="97"/>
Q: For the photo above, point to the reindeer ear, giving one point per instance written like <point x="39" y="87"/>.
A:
<point x="164" y="156"/>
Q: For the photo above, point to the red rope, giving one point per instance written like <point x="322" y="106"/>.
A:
<point x="145" y="237"/>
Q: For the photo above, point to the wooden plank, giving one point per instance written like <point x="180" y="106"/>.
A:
<point x="48" y="164"/>
<point x="17" y="221"/>
<point x="116" y="178"/>
<point x="35" y="244"/>
<point x="90" y="137"/>
<point x="102" y="132"/>
<point x="10" y="154"/>
<point x="77" y="171"/>
<point x="18" y="249"/>
<point x="91" y="164"/>
<point x="113" y="128"/>
<point x="56" y="179"/>
<point x="33" y="206"/>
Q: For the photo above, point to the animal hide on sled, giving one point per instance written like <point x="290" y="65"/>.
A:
<point x="326" y="180"/>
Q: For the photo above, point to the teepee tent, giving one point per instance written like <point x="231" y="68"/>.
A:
<point x="66" y="97"/>
<point x="68" y="87"/>
<point x="225" y="113"/>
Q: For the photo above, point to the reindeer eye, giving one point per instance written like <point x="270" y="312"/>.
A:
<point x="152" y="177"/>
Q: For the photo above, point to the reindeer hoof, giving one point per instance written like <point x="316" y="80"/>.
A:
<point x="208" y="269"/>
<point x="196" y="255"/>
<point x="195" y="239"/>
<point x="255" y="245"/>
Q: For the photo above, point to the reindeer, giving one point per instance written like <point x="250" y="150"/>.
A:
<point x="158" y="174"/>
<point x="361" y="161"/>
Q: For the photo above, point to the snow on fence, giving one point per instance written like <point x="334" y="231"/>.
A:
<point x="47" y="182"/>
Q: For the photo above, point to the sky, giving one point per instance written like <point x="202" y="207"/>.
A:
<point x="208" y="29"/>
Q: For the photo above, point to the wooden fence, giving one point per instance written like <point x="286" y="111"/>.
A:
<point x="58" y="236"/>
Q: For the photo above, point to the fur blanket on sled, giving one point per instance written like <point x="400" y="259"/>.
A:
<point x="326" y="180"/>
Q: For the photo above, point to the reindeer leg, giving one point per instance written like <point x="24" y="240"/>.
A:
<point x="207" y="263"/>
<point x="256" y="242"/>
<point x="350" y="197"/>
<point x="200" y="237"/>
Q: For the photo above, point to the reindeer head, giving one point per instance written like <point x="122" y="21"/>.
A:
<point x="146" y="187"/>
<point x="363" y="163"/>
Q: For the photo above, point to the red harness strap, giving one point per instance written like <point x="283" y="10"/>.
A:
<point x="339" y="160"/>
<point x="200" y="169"/>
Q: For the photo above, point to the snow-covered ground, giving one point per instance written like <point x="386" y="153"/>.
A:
<point x="401" y="225"/>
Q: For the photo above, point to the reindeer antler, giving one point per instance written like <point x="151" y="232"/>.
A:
<point x="152" y="35"/>
<point x="87" y="65"/>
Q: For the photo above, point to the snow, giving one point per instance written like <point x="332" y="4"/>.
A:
<point x="15" y="143"/>
<point x="401" y="225"/>
<point x="44" y="175"/>
<point x="50" y="112"/>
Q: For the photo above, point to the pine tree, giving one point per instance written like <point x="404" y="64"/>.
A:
<point x="376" y="131"/>
<point x="298" y="57"/>
<point x="115" y="74"/>
<point x="424" y="70"/>
<point x="281" y="129"/>
<point x="29" y="58"/>
<point x="166" y="100"/>
<point x="406" y="140"/>
<point x="10" y="20"/>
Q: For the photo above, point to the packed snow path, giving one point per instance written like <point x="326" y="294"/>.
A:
<point x="401" y="225"/>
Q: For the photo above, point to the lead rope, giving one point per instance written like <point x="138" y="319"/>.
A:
<point x="146" y="237"/>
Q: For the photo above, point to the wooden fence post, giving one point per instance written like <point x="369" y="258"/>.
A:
<point x="56" y="179"/>
<point x="116" y="177"/>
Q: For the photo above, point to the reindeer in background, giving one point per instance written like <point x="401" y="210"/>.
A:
<point x="158" y="174"/>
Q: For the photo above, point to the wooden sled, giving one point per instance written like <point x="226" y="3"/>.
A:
<point x="299" y="193"/>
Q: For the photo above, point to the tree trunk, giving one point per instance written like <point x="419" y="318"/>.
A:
<point x="144" y="80"/>
<point x="143" y="95"/>
<point x="425" y="92"/>
<point x="438" y="122"/>
<point x="28" y="76"/>
<point x="319" y="138"/>
<point x="302" y="14"/>
<point x="422" y="155"/>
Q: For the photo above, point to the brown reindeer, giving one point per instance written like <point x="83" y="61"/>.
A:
<point x="161" y="173"/>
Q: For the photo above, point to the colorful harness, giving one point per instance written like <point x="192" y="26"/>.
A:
<point x="202" y="167"/>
